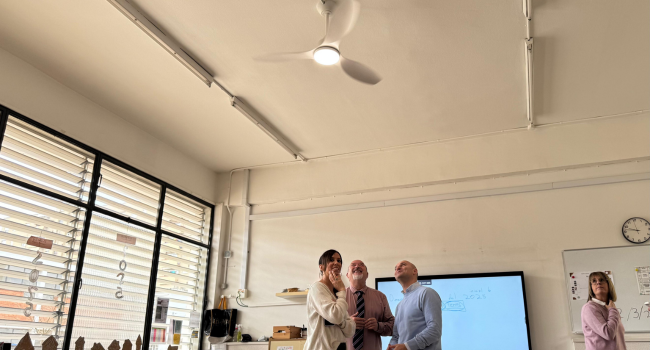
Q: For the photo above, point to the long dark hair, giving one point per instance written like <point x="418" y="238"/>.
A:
<point x="327" y="257"/>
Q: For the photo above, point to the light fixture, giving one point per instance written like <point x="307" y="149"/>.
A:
<point x="177" y="52"/>
<point x="167" y="43"/>
<point x="251" y="115"/>
<point x="326" y="55"/>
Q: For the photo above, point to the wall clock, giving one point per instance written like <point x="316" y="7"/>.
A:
<point x="636" y="230"/>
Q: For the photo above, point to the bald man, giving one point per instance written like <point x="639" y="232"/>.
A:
<point x="369" y="310"/>
<point x="418" y="317"/>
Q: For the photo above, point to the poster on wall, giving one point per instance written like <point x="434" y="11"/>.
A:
<point x="643" y="279"/>
<point x="580" y="284"/>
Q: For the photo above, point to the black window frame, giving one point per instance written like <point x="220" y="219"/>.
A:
<point x="90" y="207"/>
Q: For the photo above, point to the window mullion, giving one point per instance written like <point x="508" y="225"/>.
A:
<point x="43" y="191"/>
<point x="207" y="275"/>
<point x="94" y="184"/>
<point x="154" y="272"/>
<point x="123" y="218"/>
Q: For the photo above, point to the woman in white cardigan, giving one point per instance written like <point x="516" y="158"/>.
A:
<point x="328" y="322"/>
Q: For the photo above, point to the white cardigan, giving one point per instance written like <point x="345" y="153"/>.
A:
<point x="321" y="306"/>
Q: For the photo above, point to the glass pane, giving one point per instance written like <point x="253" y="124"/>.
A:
<point x="181" y="279"/>
<point x="38" y="158"/>
<point x="186" y="217"/>
<point x="36" y="279"/>
<point x="112" y="305"/>
<point x="128" y="194"/>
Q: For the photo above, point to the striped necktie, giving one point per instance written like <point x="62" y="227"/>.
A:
<point x="357" y="340"/>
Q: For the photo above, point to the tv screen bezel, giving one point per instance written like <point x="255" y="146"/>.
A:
<point x="474" y="275"/>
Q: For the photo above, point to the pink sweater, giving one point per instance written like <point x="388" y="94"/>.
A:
<point x="603" y="329"/>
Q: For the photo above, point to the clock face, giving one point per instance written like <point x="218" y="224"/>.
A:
<point x="636" y="230"/>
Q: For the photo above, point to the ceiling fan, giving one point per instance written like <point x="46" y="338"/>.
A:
<point x="340" y="18"/>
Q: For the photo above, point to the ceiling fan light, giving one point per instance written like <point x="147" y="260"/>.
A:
<point x="326" y="55"/>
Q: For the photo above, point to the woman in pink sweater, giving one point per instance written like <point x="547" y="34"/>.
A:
<point x="601" y="322"/>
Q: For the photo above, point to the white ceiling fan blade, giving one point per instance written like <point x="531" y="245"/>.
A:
<point x="286" y="56"/>
<point x="359" y="71"/>
<point x="342" y="20"/>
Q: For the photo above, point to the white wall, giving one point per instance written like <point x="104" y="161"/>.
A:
<point x="32" y="93"/>
<point x="524" y="231"/>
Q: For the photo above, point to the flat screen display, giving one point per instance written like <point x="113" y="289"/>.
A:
<point x="479" y="311"/>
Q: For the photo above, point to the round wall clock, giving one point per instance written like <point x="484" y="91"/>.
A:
<point x="636" y="230"/>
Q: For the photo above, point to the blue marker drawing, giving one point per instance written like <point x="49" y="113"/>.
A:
<point x="454" y="305"/>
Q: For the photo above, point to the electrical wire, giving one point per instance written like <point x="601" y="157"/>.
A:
<point x="238" y="300"/>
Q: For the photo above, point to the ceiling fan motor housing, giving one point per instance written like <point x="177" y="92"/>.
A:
<point x="325" y="6"/>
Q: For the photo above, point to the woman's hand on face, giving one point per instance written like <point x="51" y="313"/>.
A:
<point x="610" y="305"/>
<point x="336" y="281"/>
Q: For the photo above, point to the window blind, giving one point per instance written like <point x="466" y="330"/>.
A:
<point x="109" y="306"/>
<point x="181" y="279"/>
<point x="36" y="300"/>
<point x="37" y="158"/>
<point x="128" y="194"/>
<point x="45" y="187"/>
<point x="185" y="217"/>
<point x="182" y="264"/>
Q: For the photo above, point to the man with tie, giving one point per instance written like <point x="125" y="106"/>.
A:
<point x="369" y="310"/>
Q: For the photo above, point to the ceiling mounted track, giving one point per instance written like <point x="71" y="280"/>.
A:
<point x="181" y="55"/>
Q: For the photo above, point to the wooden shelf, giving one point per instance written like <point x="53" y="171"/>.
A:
<point x="292" y="295"/>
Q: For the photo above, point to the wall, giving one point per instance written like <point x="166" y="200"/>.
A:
<point x="32" y="93"/>
<point x="483" y="233"/>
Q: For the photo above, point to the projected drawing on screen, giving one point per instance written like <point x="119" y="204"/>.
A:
<point x="479" y="311"/>
<point x="453" y="305"/>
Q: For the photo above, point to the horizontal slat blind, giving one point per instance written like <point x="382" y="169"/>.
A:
<point x="128" y="194"/>
<point x="103" y="316"/>
<point x="182" y="264"/>
<point x="110" y="305"/>
<point x="185" y="217"/>
<point x="24" y="213"/>
<point x="181" y="278"/>
<point x="35" y="157"/>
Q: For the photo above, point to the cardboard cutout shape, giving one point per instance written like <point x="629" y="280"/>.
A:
<point x="79" y="344"/>
<point x="25" y="343"/>
<point x="50" y="343"/>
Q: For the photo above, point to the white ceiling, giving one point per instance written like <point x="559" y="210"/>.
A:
<point x="450" y="68"/>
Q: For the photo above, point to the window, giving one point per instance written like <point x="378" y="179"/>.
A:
<point x="111" y="306"/>
<point x="117" y="244"/>
<point x="39" y="159"/>
<point x="181" y="279"/>
<point x="128" y="194"/>
<point x="186" y="218"/>
<point x="35" y="282"/>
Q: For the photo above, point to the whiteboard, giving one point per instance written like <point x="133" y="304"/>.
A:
<point x="621" y="261"/>
<point x="491" y="307"/>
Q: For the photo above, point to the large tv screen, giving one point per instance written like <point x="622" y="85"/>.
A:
<point x="479" y="311"/>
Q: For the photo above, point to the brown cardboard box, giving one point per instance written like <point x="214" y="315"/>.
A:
<point x="287" y="344"/>
<point x="286" y="332"/>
